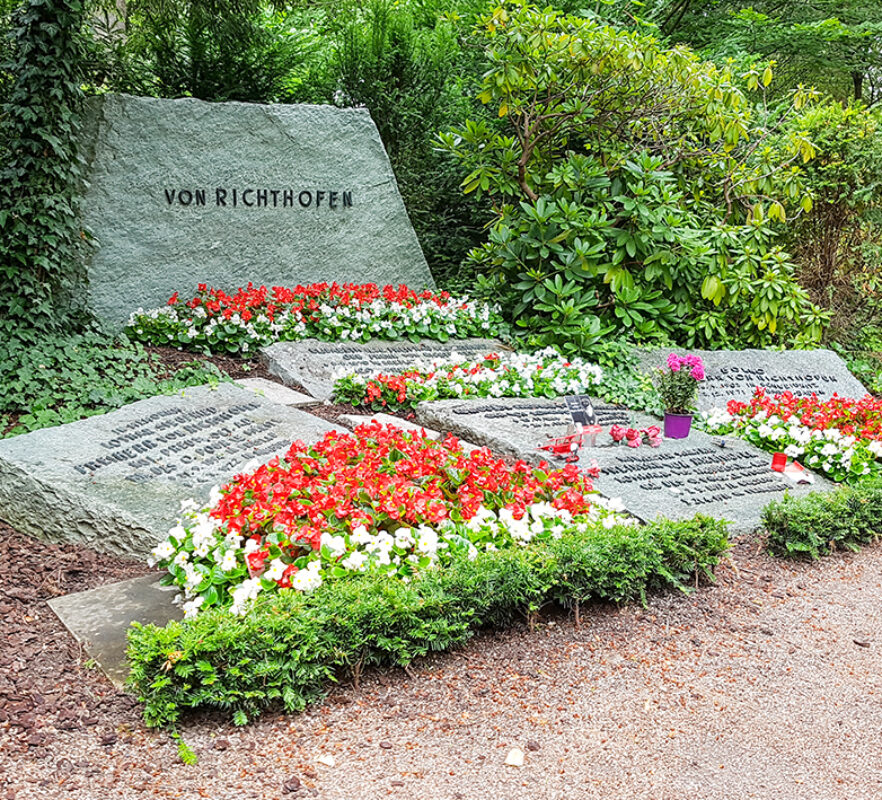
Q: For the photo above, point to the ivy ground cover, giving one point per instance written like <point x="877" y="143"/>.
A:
<point x="840" y="437"/>
<point x="214" y="321"/>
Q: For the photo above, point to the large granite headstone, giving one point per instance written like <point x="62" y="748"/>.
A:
<point x="313" y="364"/>
<point x="115" y="482"/>
<point x="182" y="192"/>
<point x="515" y="425"/>
<point x="734" y="374"/>
<point x="677" y="480"/>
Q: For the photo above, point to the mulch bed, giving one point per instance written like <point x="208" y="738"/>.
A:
<point x="173" y="359"/>
<point x="44" y="686"/>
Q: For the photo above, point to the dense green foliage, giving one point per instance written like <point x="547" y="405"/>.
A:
<point x="54" y="379"/>
<point x="635" y="188"/>
<point x="822" y="523"/>
<point x="40" y="236"/>
<point x="291" y="646"/>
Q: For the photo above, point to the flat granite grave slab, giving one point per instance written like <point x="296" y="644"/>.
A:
<point x="276" y="392"/>
<point x="677" y="480"/>
<point x="100" y="618"/>
<point x="313" y="364"/>
<point x="734" y="374"/>
<point x="515" y="425"/>
<point x="184" y="191"/>
<point x="685" y="477"/>
<point x="115" y="482"/>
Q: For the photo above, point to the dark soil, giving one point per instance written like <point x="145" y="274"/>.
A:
<point x="173" y="359"/>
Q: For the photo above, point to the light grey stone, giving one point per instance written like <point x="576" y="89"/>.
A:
<point x="677" y="480"/>
<point x="140" y="150"/>
<point x="312" y="364"/>
<point x="734" y="374"/>
<point x="276" y="392"/>
<point x="100" y="618"/>
<point x="514" y="426"/>
<point x="115" y="482"/>
<point x="685" y="477"/>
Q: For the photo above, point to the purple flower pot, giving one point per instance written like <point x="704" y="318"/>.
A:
<point x="677" y="426"/>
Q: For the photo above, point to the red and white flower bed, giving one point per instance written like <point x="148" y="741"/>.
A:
<point x="379" y="499"/>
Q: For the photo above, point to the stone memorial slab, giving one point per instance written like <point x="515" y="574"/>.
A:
<point x="181" y="192"/>
<point x="276" y="392"/>
<point x="685" y="477"/>
<point x="115" y="482"/>
<point x="515" y="425"/>
<point x="313" y="364"/>
<point x="677" y="480"/>
<point x="100" y="618"/>
<point x="734" y="374"/>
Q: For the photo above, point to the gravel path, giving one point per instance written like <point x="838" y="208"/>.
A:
<point x="767" y="685"/>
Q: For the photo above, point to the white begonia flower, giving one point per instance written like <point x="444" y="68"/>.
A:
<point x="355" y="561"/>
<point x="244" y="594"/>
<point x="308" y="579"/>
<point x="251" y="545"/>
<point x="182" y="558"/>
<point x="427" y="541"/>
<point x="191" y="607"/>
<point x="229" y="561"/>
<point x="178" y="533"/>
<point x="875" y="448"/>
<point x="276" y="569"/>
<point x="161" y="552"/>
<point x="214" y="496"/>
<point x="336" y="544"/>
<point x="360" y="535"/>
<point x="557" y="531"/>
<point x="404" y="538"/>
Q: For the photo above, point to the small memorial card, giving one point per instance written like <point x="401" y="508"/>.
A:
<point x="581" y="409"/>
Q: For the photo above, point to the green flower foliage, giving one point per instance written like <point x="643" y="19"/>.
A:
<point x="635" y="189"/>
<point x="821" y="523"/>
<point x="291" y="647"/>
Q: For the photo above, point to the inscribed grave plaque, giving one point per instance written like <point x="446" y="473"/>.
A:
<point x="685" y="477"/>
<point x="182" y="192"/>
<point x="516" y="425"/>
<point x="313" y="364"/>
<point x="115" y="482"/>
<point x="734" y="374"/>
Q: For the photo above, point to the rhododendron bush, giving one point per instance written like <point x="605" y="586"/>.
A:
<point x="377" y="500"/>
<point x="542" y="374"/>
<point x="215" y="321"/>
<point x="840" y="437"/>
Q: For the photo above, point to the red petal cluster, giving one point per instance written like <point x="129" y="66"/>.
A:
<point x="861" y="418"/>
<point x="381" y="477"/>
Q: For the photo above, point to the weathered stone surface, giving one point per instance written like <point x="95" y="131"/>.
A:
<point x="515" y="426"/>
<point x="275" y="392"/>
<point x="677" y="480"/>
<point x="100" y="618"/>
<point x="313" y="364"/>
<point x="149" y="158"/>
<point x="734" y="374"/>
<point x="115" y="482"/>
<point x="685" y="477"/>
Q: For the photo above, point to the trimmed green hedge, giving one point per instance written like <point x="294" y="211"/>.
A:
<point x="291" y="646"/>
<point x="819" y="523"/>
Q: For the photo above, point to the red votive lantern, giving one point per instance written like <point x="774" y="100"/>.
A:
<point x="779" y="461"/>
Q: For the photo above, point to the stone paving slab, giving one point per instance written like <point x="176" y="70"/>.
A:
<point x="313" y="364"/>
<point x="99" y="618"/>
<point x="115" y="482"/>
